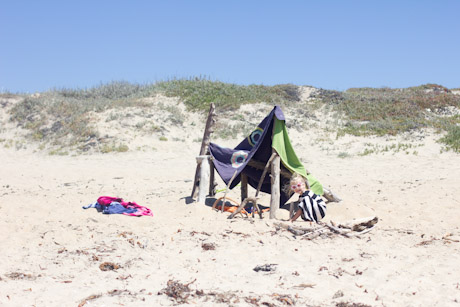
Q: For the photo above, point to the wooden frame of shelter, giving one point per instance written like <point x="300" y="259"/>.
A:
<point x="205" y="176"/>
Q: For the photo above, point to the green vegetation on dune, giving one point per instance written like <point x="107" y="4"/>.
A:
<point x="385" y="111"/>
<point x="198" y="93"/>
<point x="452" y="139"/>
<point x="61" y="117"/>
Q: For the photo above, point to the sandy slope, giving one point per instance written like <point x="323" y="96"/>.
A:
<point x="52" y="249"/>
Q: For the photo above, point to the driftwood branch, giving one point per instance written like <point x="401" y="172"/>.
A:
<point x="330" y="196"/>
<point x="253" y="200"/>
<point x="350" y="229"/>
<point x="203" y="162"/>
<point x="212" y="180"/>
<point x="244" y="186"/>
<point x="360" y="224"/>
<point x="275" y="185"/>
<point x="267" y="166"/>
<point x="228" y="188"/>
<point x="204" y="145"/>
<point x="261" y="166"/>
<point x="228" y="199"/>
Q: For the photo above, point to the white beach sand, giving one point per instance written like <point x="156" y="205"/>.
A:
<point x="52" y="249"/>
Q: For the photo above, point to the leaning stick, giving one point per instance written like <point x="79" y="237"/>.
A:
<point x="361" y="224"/>
<point x="240" y="207"/>
<point x="226" y="190"/>
<point x="259" y="186"/>
<point x="356" y="234"/>
<point x="264" y="173"/>
<point x="214" y="206"/>
<point x="343" y="232"/>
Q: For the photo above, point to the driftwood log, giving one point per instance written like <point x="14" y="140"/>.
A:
<point x="349" y="229"/>
<point x="330" y="196"/>
<point x="275" y="184"/>
<point x="204" y="148"/>
<point x="212" y="179"/>
<point x="244" y="186"/>
<point x="261" y="166"/>
<point x="203" y="162"/>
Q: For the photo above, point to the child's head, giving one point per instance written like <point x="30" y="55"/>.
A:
<point x="297" y="184"/>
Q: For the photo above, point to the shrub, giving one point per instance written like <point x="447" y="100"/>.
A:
<point x="389" y="111"/>
<point x="452" y="139"/>
<point x="198" y="93"/>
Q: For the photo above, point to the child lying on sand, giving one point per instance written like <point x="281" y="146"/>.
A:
<point x="312" y="207"/>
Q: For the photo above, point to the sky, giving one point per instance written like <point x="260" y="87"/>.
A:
<point x="328" y="44"/>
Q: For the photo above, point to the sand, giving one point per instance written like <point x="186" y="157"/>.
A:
<point x="52" y="250"/>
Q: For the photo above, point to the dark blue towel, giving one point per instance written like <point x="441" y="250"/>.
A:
<point x="117" y="208"/>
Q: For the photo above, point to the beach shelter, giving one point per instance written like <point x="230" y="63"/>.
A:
<point x="247" y="161"/>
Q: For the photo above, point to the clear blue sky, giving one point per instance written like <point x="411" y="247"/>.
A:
<point x="329" y="44"/>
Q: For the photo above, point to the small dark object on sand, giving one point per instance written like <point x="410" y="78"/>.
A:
<point x="109" y="266"/>
<point x="177" y="291"/>
<point x="19" y="275"/>
<point x="351" y="304"/>
<point x="266" y="267"/>
<point x="286" y="299"/>
<point x="208" y="246"/>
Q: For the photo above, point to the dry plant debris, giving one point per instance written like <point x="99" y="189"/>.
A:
<point x="125" y="234"/>
<point x="19" y="275"/>
<point x="178" y="291"/>
<point x="109" y="266"/>
<point x="348" y="304"/>
<point x="208" y="246"/>
<point x="109" y="293"/>
<point x="192" y="233"/>
<point x="446" y="239"/>
<point x="88" y="299"/>
<point x="284" y="298"/>
<point x="303" y="286"/>
<point x="324" y="230"/>
<point x="181" y="294"/>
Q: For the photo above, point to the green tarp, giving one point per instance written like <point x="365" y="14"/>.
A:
<point x="283" y="147"/>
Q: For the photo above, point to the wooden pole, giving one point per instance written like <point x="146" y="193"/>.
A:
<point x="261" y="166"/>
<point x="212" y="183"/>
<point x="244" y="186"/>
<point x="204" y="145"/>
<point x="226" y="190"/>
<point x="261" y="180"/>
<point x="203" y="161"/>
<point x="275" y="181"/>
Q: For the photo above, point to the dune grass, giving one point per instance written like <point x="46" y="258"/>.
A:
<point x="382" y="111"/>
<point x="61" y="117"/>
<point x="386" y="111"/>
<point x="451" y="140"/>
<point x="198" y="93"/>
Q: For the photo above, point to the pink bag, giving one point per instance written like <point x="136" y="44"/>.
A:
<point x="141" y="210"/>
<point x="107" y="200"/>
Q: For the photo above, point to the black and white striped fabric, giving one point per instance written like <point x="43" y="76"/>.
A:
<point x="313" y="207"/>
